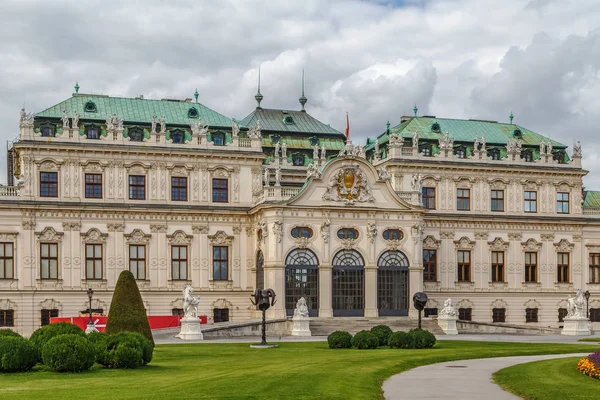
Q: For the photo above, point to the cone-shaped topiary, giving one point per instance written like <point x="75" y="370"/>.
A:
<point x="127" y="312"/>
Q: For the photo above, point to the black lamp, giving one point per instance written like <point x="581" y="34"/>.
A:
<point x="90" y="294"/>
<point x="587" y="303"/>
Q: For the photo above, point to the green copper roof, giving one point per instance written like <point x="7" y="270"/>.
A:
<point x="136" y="110"/>
<point x="592" y="199"/>
<point x="300" y="122"/>
<point x="465" y="131"/>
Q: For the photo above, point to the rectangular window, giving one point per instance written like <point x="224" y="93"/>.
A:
<point x="562" y="203"/>
<point x="499" y="315"/>
<point x="562" y="267"/>
<point x="219" y="190"/>
<point x="530" y="202"/>
<point x="497" y="266"/>
<point x="463" y="199"/>
<point x="428" y="197"/>
<point x="220" y="263"/>
<point x="464" y="265"/>
<point x="7" y="318"/>
<point x="179" y="261"/>
<point x="47" y="314"/>
<point x="48" y="184"/>
<point x="531" y="315"/>
<point x="49" y="260"/>
<point x="137" y="261"/>
<point x="221" y="315"/>
<point x="177" y="312"/>
<point x="530" y="267"/>
<point x="178" y="188"/>
<point x="594" y="268"/>
<point x="430" y="312"/>
<point x="464" y="314"/>
<point x="7" y="261"/>
<point x="562" y="313"/>
<point x="93" y="186"/>
<point x="93" y="261"/>
<point x="497" y="200"/>
<point x="137" y="187"/>
<point x="429" y="265"/>
<point x="594" y="314"/>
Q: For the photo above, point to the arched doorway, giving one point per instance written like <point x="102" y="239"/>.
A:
<point x="260" y="271"/>
<point x="302" y="280"/>
<point x="348" y="284"/>
<point x="392" y="284"/>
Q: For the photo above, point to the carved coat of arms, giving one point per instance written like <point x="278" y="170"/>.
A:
<point x="348" y="185"/>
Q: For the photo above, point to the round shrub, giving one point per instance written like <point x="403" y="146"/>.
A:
<point x="16" y="354"/>
<point x="41" y="336"/>
<point x="365" y="340"/>
<point x="8" y="333"/>
<point x="401" y="340"/>
<point x="69" y="353"/>
<point x="382" y="332"/>
<point x="339" y="340"/>
<point x="422" y="338"/>
<point x="124" y="350"/>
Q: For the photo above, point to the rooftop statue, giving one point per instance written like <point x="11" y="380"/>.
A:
<point x="65" y="120"/>
<point x="577" y="149"/>
<point x="235" y="128"/>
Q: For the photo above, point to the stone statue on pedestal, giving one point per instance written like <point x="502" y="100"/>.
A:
<point x="190" y="302"/>
<point x="190" y="323"/>
<point x="447" y="318"/>
<point x="576" y="322"/>
<point x="301" y="320"/>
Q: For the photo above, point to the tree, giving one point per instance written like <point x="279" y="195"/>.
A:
<point x="127" y="312"/>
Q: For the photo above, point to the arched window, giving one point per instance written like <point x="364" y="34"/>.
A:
<point x="302" y="280"/>
<point x="136" y="135"/>
<point x="348" y="284"/>
<point x="178" y="136"/>
<point x="92" y="132"/>
<point x="260" y="271"/>
<point x="392" y="284"/>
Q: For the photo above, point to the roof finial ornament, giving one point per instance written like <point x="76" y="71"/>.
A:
<point x="387" y="125"/>
<point x="76" y="87"/>
<point x="303" y="98"/>
<point x="258" y="97"/>
<point x="511" y="116"/>
<point x="196" y="94"/>
<point x="415" y="109"/>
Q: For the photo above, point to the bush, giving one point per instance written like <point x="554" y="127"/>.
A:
<point x="382" y="333"/>
<point x="69" y="353"/>
<point x="401" y="340"/>
<point x="365" y="340"/>
<point x="422" y="338"/>
<point x="339" y="340"/>
<point x="40" y="337"/>
<point x="16" y="354"/>
<point x="124" y="350"/>
<point x="127" y="312"/>
<point x="8" y="333"/>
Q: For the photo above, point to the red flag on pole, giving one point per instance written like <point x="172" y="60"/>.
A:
<point x="347" y="128"/>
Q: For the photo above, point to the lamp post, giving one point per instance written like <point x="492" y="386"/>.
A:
<point x="90" y="326"/>
<point x="587" y="303"/>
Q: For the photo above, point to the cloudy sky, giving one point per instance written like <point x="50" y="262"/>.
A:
<point x="374" y="59"/>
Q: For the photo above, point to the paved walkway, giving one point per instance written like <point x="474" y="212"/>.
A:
<point x="457" y="380"/>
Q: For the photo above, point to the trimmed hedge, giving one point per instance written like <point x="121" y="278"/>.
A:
<point x="339" y="340"/>
<point x="8" y="333"/>
<point x="423" y="339"/>
<point x="365" y="340"/>
<point x="40" y="337"/>
<point x="382" y="332"/>
<point x="401" y="340"/>
<point x="127" y="312"/>
<point x="413" y="339"/>
<point x="124" y="350"/>
<point x="16" y="354"/>
<point x="69" y="353"/>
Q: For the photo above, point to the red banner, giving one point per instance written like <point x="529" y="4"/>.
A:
<point x="155" y="321"/>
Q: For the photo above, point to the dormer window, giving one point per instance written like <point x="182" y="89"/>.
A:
<point x="426" y="150"/>
<point x="193" y="112"/>
<point x="48" y="130"/>
<point x="559" y="156"/>
<point x="275" y="139"/>
<point x="436" y="128"/>
<point x="298" y="160"/>
<point x="218" y="139"/>
<point x="314" y="141"/>
<point x="494" y="154"/>
<point x="517" y="133"/>
<point x="288" y="120"/>
<point x="90" y="106"/>
<point x="527" y="155"/>
<point x="178" y="136"/>
<point x="136" y="135"/>
<point x="460" y="152"/>
<point x="92" y="132"/>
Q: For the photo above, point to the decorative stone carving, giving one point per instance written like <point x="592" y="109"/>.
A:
<point x="163" y="125"/>
<point x="255" y="132"/>
<point x="51" y="304"/>
<point x="515" y="236"/>
<point x="577" y="149"/>
<point x="300" y="320"/>
<point x="65" y="119"/>
<point x="278" y="230"/>
<point x="447" y="318"/>
<point x="180" y="238"/>
<point x="531" y="245"/>
<point x="447" y="235"/>
<point x="431" y="243"/>
<point x="576" y="323"/>
<point x="158" y="228"/>
<point x="446" y="142"/>
<point x="26" y="119"/>
<point x="220" y="239"/>
<point x="448" y="308"/>
<point x="395" y="139"/>
<point x="371" y="231"/>
<point x="190" y="323"/>
<point x="277" y="176"/>
<point x="137" y="236"/>
<point x="464" y="243"/>
<point x="384" y="174"/>
<point x="325" y="230"/>
<point x="49" y="235"/>
<point x="481" y="235"/>
<point x="547" y="237"/>
<point x="94" y="236"/>
<point x="312" y="171"/>
<point x="417" y="230"/>
<point x="349" y="185"/>
<point x="498" y="245"/>
<point x="564" y="246"/>
<point x="115" y="227"/>
<point x="200" y="129"/>
<point x="513" y="147"/>
<point x="415" y="182"/>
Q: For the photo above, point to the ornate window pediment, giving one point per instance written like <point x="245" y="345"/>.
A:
<point x="429" y="181"/>
<point x="531" y="245"/>
<point x="497" y="183"/>
<point x="531" y="304"/>
<point x="49" y="165"/>
<point x="498" y="244"/>
<point x="94" y="236"/>
<point x="220" y="172"/>
<point x="179" y="170"/>
<point x="531" y="185"/>
<point x="8" y="236"/>
<point x="564" y="246"/>
<point x="50" y="304"/>
<point x="6" y="304"/>
<point x="93" y="167"/>
<point x="220" y="239"/>
<point x="137" y="236"/>
<point x="499" y="303"/>
<point x="49" y="235"/>
<point x="137" y="169"/>
<point x="180" y="238"/>
<point x="464" y="303"/>
<point x="463" y="182"/>
<point x="464" y="243"/>
<point x="431" y="243"/>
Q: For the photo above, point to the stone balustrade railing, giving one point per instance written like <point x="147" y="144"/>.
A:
<point x="9" y="191"/>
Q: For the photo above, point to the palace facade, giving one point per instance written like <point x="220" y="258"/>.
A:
<point x="490" y="214"/>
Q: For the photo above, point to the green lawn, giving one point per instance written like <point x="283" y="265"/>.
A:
<point x="548" y="380"/>
<point x="590" y="339"/>
<point x="234" y="371"/>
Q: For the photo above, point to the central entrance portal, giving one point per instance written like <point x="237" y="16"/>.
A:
<point x="392" y="284"/>
<point x="348" y="284"/>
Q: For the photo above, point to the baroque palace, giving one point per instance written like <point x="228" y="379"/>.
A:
<point x="491" y="214"/>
